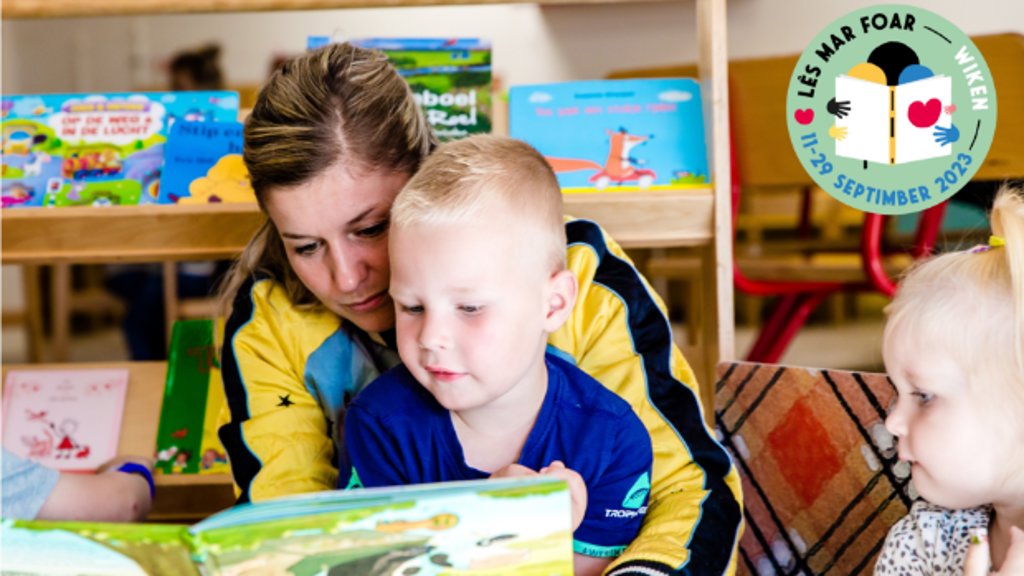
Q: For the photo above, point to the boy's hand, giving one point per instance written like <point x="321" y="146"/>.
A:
<point x="513" y="471"/>
<point x="577" y="489"/>
<point x="979" y="557"/>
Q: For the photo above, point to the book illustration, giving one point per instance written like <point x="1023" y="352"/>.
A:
<point x="96" y="149"/>
<point x="203" y="164"/>
<point x="450" y="79"/>
<point x="620" y="167"/>
<point x="481" y="527"/>
<point x="893" y="110"/>
<point x="187" y="441"/>
<point x="69" y="420"/>
<point x="615" y="135"/>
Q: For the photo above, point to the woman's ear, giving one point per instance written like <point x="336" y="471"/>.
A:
<point x="561" y="296"/>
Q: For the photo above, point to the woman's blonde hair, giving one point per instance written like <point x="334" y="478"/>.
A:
<point x="972" y="302"/>
<point x="340" y="103"/>
<point x="463" y="178"/>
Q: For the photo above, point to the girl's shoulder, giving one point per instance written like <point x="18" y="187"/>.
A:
<point x="930" y="539"/>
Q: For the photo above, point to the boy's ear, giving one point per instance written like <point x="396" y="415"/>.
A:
<point x="561" y="297"/>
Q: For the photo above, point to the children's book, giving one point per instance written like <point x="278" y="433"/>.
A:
<point x="69" y="420"/>
<point x="186" y="438"/>
<point x="893" y="124"/>
<point x="96" y="149"/>
<point x="203" y="164"/>
<point x="481" y="527"/>
<point x="449" y="77"/>
<point x="615" y="135"/>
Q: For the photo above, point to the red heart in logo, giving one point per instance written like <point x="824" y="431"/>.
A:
<point x="922" y="114"/>
<point x="805" y="116"/>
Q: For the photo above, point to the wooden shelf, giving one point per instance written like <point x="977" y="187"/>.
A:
<point x="165" y="233"/>
<point x="127" y="233"/>
<point x="15" y="9"/>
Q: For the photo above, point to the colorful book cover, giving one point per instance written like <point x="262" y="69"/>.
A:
<point x="186" y="438"/>
<point x="481" y="527"/>
<point x="95" y="149"/>
<point x="893" y="124"/>
<point x="450" y="79"/>
<point x="69" y="420"/>
<point x="203" y="164"/>
<point x="615" y="135"/>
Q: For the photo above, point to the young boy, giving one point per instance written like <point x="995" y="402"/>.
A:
<point x="478" y="276"/>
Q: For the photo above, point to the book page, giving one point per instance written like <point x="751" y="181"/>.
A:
<point x="920" y="109"/>
<point x="867" y="123"/>
<point x="69" y="420"/>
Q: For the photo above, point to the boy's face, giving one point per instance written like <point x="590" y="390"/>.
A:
<point x="474" y="305"/>
<point x="955" y="442"/>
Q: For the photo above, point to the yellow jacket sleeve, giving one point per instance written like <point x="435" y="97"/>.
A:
<point x="276" y="434"/>
<point x="619" y="334"/>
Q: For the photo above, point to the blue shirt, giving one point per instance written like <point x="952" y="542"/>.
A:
<point x="26" y="486"/>
<point x="397" y="433"/>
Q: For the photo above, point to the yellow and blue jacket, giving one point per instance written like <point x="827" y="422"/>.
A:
<point x="289" y="372"/>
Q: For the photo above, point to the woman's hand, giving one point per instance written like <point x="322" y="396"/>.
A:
<point x="979" y="556"/>
<point x="577" y="489"/>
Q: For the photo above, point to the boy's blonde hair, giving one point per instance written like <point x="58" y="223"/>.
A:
<point x="464" y="177"/>
<point x="971" y="303"/>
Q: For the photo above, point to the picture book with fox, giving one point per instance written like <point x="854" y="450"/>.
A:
<point x="615" y="135"/>
<point x="480" y="527"/>
<point x="69" y="420"/>
<point x="96" y="149"/>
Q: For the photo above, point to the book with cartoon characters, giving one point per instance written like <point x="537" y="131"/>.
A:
<point x="186" y="439"/>
<point x="892" y="124"/>
<point x="480" y="527"/>
<point x="615" y="135"/>
<point x="96" y="149"/>
<point x="69" y="420"/>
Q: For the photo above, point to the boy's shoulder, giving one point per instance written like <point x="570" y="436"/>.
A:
<point x="582" y="393"/>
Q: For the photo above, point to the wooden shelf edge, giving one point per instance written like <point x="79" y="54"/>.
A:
<point x="34" y="9"/>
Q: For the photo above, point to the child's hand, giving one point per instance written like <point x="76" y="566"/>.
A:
<point x="577" y="489"/>
<point x="979" y="557"/>
<point x="513" y="471"/>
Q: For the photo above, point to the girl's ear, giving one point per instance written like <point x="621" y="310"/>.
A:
<point x="561" y="296"/>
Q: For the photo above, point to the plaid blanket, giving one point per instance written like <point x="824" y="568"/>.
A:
<point x="821" y="480"/>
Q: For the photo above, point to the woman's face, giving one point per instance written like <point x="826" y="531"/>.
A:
<point x="335" y="232"/>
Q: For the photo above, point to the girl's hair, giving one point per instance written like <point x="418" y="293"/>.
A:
<point x="336" y="104"/>
<point x="971" y="303"/>
<point x="465" y="177"/>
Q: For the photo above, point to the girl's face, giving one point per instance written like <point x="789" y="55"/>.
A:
<point x="335" y="232"/>
<point x="960" y="452"/>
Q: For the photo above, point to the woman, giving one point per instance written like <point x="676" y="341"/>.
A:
<point x="334" y="136"/>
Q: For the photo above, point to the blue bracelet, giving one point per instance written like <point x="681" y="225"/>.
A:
<point x="136" y="468"/>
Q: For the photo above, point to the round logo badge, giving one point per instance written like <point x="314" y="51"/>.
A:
<point x="891" y="109"/>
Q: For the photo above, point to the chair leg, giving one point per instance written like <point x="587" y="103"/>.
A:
<point x="786" y="320"/>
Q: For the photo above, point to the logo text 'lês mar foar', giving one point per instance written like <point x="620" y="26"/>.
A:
<point x="891" y="109"/>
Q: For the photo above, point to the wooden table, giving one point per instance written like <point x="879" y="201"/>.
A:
<point x="179" y="498"/>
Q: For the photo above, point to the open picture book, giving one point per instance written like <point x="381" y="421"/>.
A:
<point x="481" y="527"/>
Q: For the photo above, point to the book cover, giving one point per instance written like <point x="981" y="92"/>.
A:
<point x="481" y="527"/>
<point x="449" y="77"/>
<point x="203" y="164"/>
<point x="95" y="149"/>
<point x="893" y="124"/>
<point x="69" y="420"/>
<point x="615" y="135"/>
<point x="186" y="438"/>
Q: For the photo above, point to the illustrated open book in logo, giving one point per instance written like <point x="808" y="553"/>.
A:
<point x="894" y="124"/>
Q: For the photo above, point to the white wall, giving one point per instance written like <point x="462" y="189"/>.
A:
<point x="531" y="43"/>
